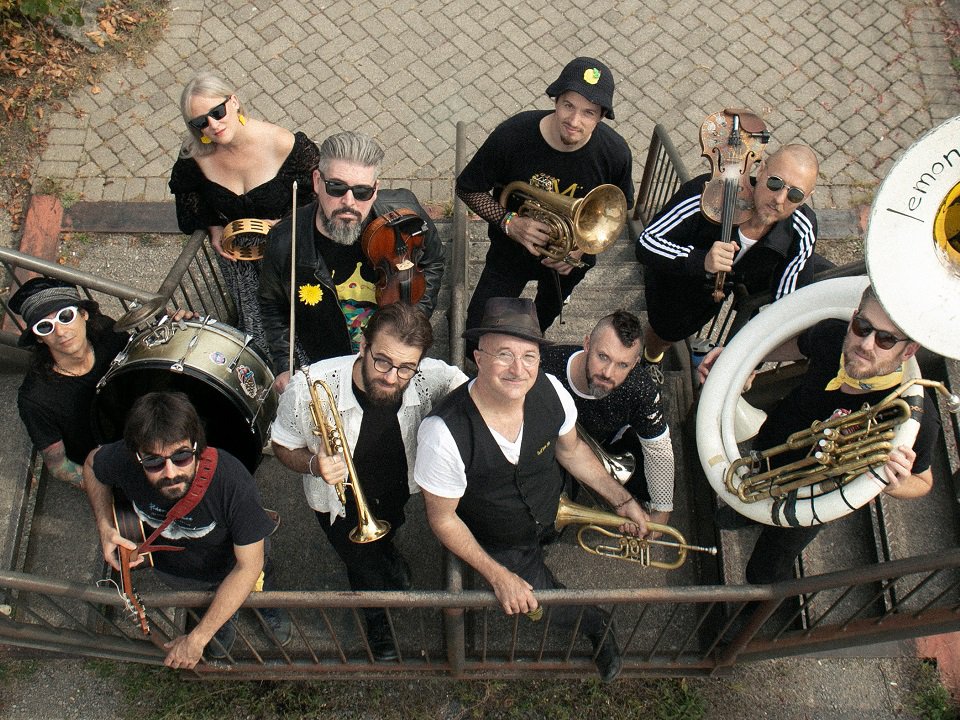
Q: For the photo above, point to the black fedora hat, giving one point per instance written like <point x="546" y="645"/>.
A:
<point x="509" y="316"/>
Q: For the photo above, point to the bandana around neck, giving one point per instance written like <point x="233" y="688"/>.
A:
<point x="880" y="382"/>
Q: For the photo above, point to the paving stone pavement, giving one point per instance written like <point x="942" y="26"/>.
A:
<point x="859" y="80"/>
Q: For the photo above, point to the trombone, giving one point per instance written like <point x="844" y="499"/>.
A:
<point x="629" y="548"/>
<point x="368" y="527"/>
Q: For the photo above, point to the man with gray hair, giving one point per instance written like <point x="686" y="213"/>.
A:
<point x="335" y="280"/>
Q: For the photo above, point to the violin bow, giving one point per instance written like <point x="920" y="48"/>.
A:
<point x="293" y="277"/>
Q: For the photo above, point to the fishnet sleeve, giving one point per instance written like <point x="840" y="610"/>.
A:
<point x="484" y="205"/>
<point x="658" y="468"/>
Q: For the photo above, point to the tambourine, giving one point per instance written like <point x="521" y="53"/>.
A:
<point x="245" y="239"/>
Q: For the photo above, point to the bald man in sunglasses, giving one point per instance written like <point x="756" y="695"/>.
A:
<point x="850" y="364"/>
<point x="682" y="251"/>
<point x="335" y="281"/>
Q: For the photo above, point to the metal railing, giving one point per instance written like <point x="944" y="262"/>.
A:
<point x="193" y="282"/>
<point x="464" y="634"/>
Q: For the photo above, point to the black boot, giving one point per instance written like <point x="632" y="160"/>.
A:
<point x="608" y="659"/>
<point x="381" y="641"/>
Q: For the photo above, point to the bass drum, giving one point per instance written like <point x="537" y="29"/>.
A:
<point x="226" y="378"/>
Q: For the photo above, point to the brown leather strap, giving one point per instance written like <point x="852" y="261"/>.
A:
<point x="207" y="466"/>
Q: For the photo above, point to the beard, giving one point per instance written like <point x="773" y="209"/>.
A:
<point x="343" y="227"/>
<point x="376" y="391"/>
<point x="596" y="389"/>
<point x="859" y="369"/>
<point x="165" y="486"/>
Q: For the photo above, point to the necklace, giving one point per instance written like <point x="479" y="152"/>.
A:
<point x="88" y="362"/>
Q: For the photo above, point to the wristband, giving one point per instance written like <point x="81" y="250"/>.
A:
<point x="310" y="467"/>
<point x="620" y="505"/>
<point x="505" y="223"/>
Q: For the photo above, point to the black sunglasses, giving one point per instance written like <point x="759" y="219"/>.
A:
<point x="338" y="188"/>
<point x="794" y="194"/>
<point x="216" y="112"/>
<point x="155" y="463"/>
<point x="883" y="339"/>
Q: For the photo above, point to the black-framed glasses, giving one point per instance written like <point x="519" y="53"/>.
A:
<point x="338" y="188"/>
<point x="507" y="358"/>
<point x="885" y="340"/>
<point x="217" y="112"/>
<point x="794" y="194"/>
<point x="155" y="463"/>
<point x="404" y="372"/>
<point x="67" y="315"/>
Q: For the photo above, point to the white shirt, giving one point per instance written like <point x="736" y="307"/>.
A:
<point x="293" y="427"/>
<point x="440" y="470"/>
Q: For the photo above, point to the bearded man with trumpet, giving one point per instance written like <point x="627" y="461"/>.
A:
<point x="850" y="365"/>
<point x="380" y="397"/>
<point x="569" y="151"/>
<point x="489" y="468"/>
<point x="619" y="405"/>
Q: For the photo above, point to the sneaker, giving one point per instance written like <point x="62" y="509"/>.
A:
<point x="608" y="659"/>
<point x="381" y="641"/>
<point x="221" y="644"/>
<point x="654" y="369"/>
<point x="279" y="623"/>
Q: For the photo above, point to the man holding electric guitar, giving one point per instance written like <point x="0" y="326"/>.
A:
<point x="206" y="507"/>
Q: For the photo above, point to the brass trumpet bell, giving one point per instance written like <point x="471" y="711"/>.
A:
<point x="628" y="547"/>
<point x="591" y="223"/>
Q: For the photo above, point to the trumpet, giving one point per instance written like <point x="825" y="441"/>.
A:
<point x="591" y="223"/>
<point x="619" y="467"/>
<point x="629" y="548"/>
<point x="368" y="527"/>
<point x="840" y="449"/>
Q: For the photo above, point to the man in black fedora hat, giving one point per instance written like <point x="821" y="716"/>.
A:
<point x="487" y="466"/>
<point x="568" y="150"/>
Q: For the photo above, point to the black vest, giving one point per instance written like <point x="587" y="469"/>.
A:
<point x="507" y="505"/>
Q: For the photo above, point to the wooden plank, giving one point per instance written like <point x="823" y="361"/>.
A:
<point x="122" y="217"/>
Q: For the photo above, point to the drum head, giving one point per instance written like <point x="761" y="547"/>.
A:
<point x="226" y="420"/>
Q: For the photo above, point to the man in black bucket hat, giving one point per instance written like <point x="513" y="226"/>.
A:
<point x="487" y="465"/>
<point x="568" y="150"/>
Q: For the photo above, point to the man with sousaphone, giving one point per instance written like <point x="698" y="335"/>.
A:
<point x="353" y="420"/>
<point x="550" y="157"/>
<point x="851" y="364"/>
<point x="489" y="468"/>
<point x="337" y="278"/>
<point x="771" y="247"/>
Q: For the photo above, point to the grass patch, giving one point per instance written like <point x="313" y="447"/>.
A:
<point x="931" y="701"/>
<point x="160" y="694"/>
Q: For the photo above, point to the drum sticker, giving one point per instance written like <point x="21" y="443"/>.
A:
<point x="218" y="358"/>
<point x="248" y="383"/>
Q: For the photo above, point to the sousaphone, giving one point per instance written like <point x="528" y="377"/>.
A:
<point x="913" y="261"/>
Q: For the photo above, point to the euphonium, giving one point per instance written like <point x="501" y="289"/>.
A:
<point x="368" y="527"/>
<point x="632" y="549"/>
<point x="619" y="467"/>
<point x="840" y="449"/>
<point x="591" y="223"/>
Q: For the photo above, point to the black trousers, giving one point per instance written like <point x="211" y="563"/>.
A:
<point x="497" y="283"/>
<point x="528" y="563"/>
<point x="369" y="565"/>
<point x="776" y="551"/>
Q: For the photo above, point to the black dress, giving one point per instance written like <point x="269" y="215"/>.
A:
<point x="202" y="203"/>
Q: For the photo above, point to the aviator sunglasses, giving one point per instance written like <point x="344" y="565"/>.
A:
<point x="794" y="194"/>
<point x="217" y="112"/>
<point x="44" y="327"/>
<point x="155" y="463"/>
<point x="338" y="188"/>
<point x="885" y="340"/>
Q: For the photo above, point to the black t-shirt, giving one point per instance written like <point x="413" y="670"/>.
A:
<point x="57" y="407"/>
<point x="230" y="513"/>
<point x="516" y="150"/>
<point x="636" y="402"/>
<point x="356" y="302"/>
<point x="809" y="401"/>
<point x="380" y="458"/>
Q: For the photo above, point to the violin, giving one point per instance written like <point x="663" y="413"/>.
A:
<point x="732" y="140"/>
<point x="394" y="244"/>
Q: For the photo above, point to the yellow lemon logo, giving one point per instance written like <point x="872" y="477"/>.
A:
<point x="310" y="294"/>
<point x="591" y="76"/>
